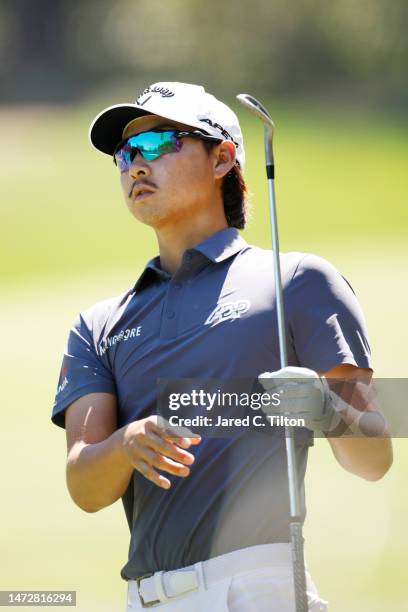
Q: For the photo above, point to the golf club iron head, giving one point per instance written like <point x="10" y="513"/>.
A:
<point x="256" y="108"/>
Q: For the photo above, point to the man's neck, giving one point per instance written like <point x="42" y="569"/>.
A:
<point x="173" y="242"/>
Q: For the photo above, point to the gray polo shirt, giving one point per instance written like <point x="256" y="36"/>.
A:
<point x="214" y="318"/>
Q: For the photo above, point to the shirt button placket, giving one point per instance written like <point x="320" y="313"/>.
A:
<point x="171" y="310"/>
<point x="172" y="306"/>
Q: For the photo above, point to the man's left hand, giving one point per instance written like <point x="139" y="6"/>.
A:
<point x="302" y="394"/>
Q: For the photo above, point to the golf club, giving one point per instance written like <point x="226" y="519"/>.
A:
<point x="298" y="562"/>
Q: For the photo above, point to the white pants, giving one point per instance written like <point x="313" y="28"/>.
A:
<point x="254" y="579"/>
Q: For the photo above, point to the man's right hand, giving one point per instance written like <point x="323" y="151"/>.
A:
<point x="101" y="458"/>
<point x="150" y="444"/>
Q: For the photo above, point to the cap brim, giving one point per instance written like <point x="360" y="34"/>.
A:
<point x="107" y="128"/>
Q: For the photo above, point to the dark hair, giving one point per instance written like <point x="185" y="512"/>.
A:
<point x="234" y="194"/>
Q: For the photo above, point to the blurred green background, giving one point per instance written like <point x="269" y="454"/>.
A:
<point x="333" y="77"/>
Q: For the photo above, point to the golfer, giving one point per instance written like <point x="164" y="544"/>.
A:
<point x="208" y="516"/>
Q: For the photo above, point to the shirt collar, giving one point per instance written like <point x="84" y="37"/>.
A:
<point x="151" y="273"/>
<point x="222" y="245"/>
<point x="216" y="248"/>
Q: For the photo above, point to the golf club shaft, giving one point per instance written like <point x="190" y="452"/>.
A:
<point x="295" y="522"/>
<point x="299" y="576"/>
<point x="277" y="270"/>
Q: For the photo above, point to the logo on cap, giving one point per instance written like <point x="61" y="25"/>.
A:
<point x="219" y="127"/>
<point x="163" y="91"/>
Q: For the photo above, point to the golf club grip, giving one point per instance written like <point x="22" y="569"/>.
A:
<point x="299" y="575"/>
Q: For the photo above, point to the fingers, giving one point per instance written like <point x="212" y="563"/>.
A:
<point x="163" y="463"/>
<point x="169" y="449"/>
<point x="272" y="380"/>
<point x="151" y="447"/>
<point x="177" y="433"/>
<point x="189" y="441"/>
<point x="296" y="391"/>
<point x="181" y="441"/>
<point x="148" y="472"/>
<point x="301" y="398"/>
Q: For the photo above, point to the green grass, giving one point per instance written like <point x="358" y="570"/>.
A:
<point x="68" y="241"/>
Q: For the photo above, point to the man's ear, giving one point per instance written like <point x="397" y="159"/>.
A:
<point x="224" y="158"/>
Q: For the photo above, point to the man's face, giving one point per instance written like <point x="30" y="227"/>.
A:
<point x="180" y="185"/>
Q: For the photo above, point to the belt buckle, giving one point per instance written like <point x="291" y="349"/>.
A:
<point x="145" y="604"/>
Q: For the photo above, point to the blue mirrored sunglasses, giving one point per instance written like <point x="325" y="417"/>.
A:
<point x="151" y="145"/>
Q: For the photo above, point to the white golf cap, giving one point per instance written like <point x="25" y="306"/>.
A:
<point x="181" y="102"/>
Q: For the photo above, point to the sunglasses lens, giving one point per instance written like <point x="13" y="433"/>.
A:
<point x="153" y="144"/>
<point x="149" y="144"/>
<point x="123" y="157"/>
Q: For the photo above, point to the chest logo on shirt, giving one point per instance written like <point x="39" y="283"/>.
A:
<point x="122" y="336"/>
<point x="228" y="312"/>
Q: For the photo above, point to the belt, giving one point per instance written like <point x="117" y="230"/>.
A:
<point x="153" y="589"/>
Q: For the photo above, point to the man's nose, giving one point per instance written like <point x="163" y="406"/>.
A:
<point x="139" y="167"/>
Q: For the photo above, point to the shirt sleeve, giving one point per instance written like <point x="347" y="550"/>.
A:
<point x="326" y="323"/>
<point x="82" y="371"/>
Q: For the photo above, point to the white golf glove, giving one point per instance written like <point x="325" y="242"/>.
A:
<point x="302" y="394"/>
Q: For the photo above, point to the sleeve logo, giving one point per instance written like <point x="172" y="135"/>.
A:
<point x="62" y="385"/>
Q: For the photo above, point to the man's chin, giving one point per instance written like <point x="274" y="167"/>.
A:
<point x="150" y="217"/>
<point x="158" y="216"/>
